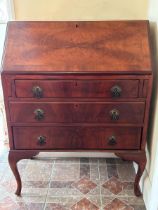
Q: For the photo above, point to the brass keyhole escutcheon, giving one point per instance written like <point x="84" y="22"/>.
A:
<point x="116" y="91"/>
<point x="37" y="92"/>
<point x="114" y="114"/>
<point x="112" y="140"/>
<point x="41" y="140"/>
<point x="39" y="114"/>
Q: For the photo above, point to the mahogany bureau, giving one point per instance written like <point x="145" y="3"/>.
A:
<point x="77" y="86"/>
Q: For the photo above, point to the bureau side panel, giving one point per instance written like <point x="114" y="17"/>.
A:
<point x="7" y="86"/>
<point x="147" y="89"/>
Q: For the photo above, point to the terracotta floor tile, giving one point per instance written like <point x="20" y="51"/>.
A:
<point x="106" y="192"/>
<point x="106" y="199"/>
<point x="117" y="204"/>
<point x="95" y="199"/>
<point x="95" y="191"/>
<point x="127" y="190"/>
<point x="126" y="193"/>
<point x="84" y="204"/>
<point x="114" y="185"/>
<point x="84" y="185"/>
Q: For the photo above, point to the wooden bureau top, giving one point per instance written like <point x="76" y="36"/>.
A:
<point x="77" y="46"/>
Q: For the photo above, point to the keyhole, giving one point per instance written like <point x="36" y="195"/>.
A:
<point x="77" y="25"/>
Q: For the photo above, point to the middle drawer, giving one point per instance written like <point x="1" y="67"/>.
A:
<point x="79" y="112"/>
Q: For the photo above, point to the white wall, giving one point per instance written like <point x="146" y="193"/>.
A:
<point x="150" y="191"/>
<point x="80" y="9"/>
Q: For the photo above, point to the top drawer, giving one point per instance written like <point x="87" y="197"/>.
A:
<point x="76" y="88"/>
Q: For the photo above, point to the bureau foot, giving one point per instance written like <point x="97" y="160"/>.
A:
<point x="13" y="158"/>
<point x="140" y="159"/>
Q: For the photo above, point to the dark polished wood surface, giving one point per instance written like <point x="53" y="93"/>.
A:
<point x="87" y="46"/>
<point x="77" y="112"/>
<point x="74" y="137"/>
<point x="77" y="86"/>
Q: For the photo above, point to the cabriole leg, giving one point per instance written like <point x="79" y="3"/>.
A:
<point x="140" y="159"/>
<point x="13" y="158"/>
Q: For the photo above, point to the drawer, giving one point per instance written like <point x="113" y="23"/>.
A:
<point x="76" y="88"/>
<point x="74" y="137"/>
<point x="79" y="112"/>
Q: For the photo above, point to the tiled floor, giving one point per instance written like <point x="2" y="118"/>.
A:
<point x="69" y="184"/>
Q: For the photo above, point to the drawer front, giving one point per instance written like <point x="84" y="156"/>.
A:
<point x="80" y="112"/>
<point x="74" y="137"/>
<point x="76" y="88"/>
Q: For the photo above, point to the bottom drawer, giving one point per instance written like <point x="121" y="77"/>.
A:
<point x="75" y="137"/>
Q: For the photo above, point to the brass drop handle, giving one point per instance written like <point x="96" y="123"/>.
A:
<point x="116" y="91"/>
<point x="41" y="140"/>
<point x="39" y="114"/>
<point x="114" y="114"/>
<point x="37" y="92"/>
<point x="112" y="141"/>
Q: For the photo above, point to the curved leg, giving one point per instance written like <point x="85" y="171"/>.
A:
<point x="13" y="158"/>
<point x="140" y="159"/>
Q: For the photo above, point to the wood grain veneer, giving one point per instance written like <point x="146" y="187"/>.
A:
<point x="77" y="86"/>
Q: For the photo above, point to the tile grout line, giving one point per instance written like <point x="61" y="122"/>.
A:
<point x="117" y="171"/>
<point x="45" y="202"/>
<point x="99" y="184"/>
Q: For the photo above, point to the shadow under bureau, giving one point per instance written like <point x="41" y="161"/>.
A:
<point x="77" y="86"/>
